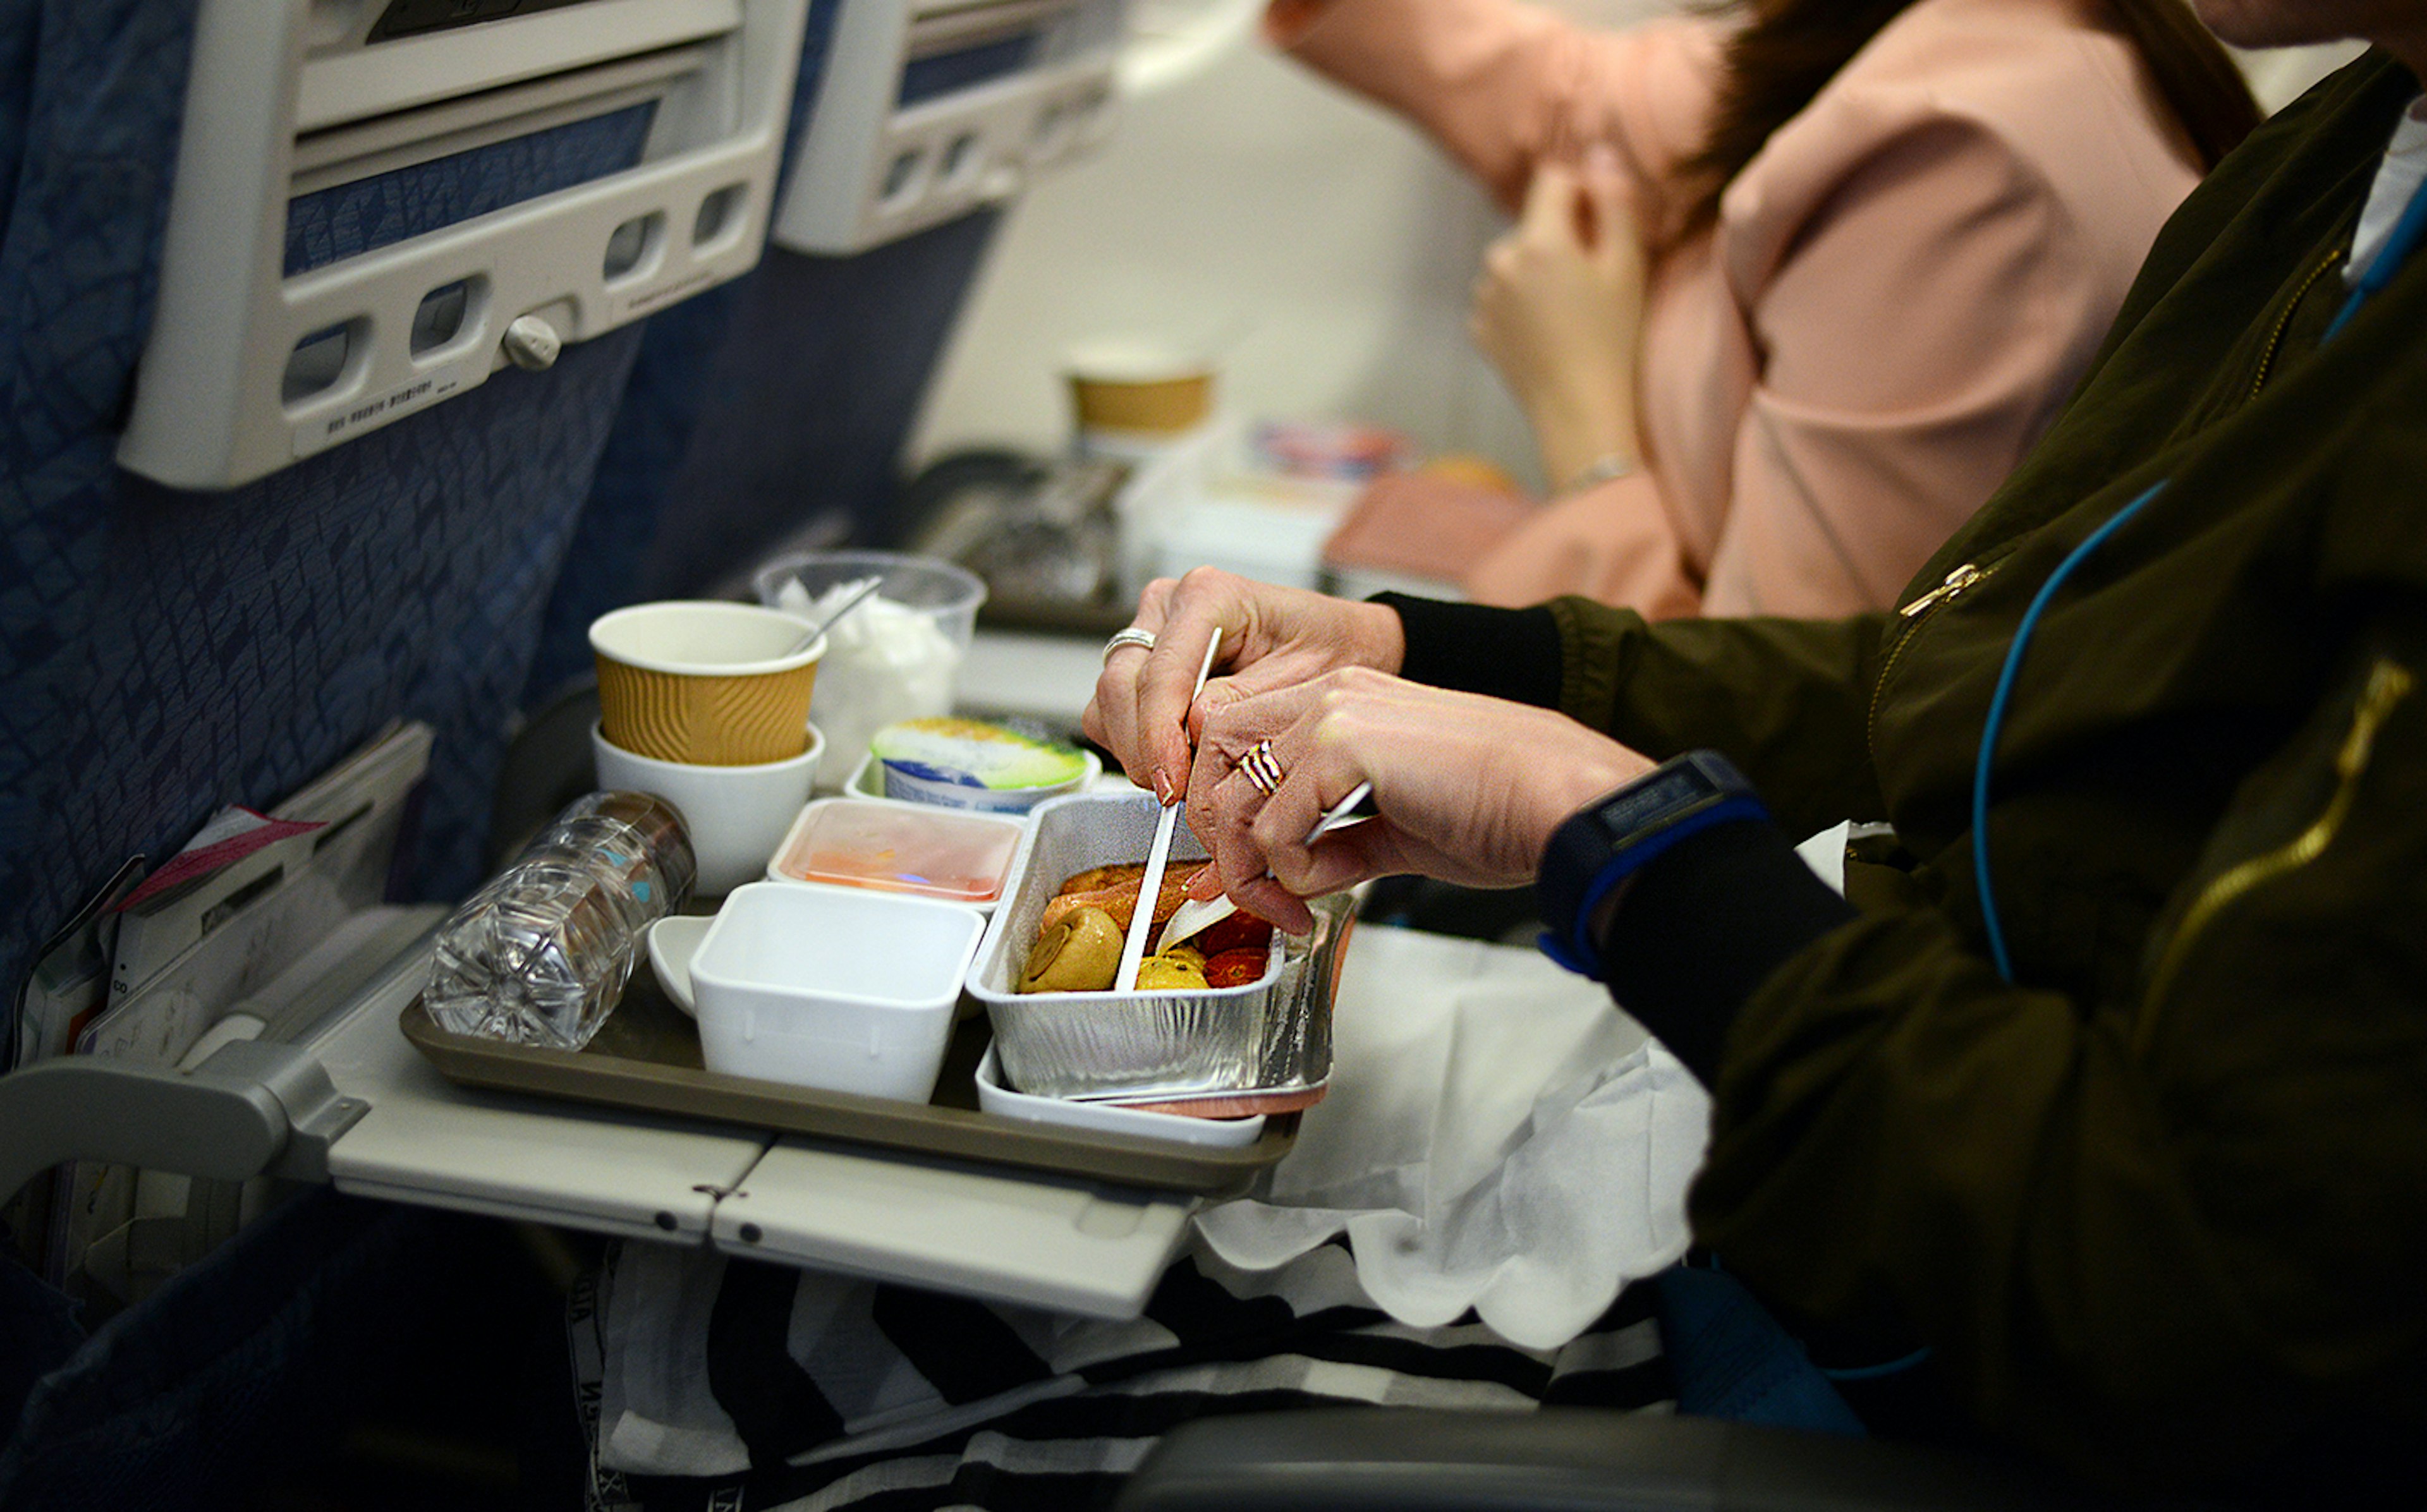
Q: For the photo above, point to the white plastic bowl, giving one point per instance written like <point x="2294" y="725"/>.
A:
<point x="673" y="941"/>
<point x="736" y="816"/>
<point x="830" y="989"/>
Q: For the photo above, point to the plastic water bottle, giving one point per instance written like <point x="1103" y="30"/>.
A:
<point x="541" y="954"/>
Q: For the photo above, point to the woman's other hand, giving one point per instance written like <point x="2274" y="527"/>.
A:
<point x="1559" y="309"/>
<point x="1272" y="638"/>
<point x="1468" y="788"/>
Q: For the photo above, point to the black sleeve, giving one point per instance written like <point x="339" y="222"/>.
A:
<point x="1704" y="924"/>
<point x="1507" y="653"/>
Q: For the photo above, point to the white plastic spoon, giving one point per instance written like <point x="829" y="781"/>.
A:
<point x="860" y="593"/>
<point x="1151" y="885"/>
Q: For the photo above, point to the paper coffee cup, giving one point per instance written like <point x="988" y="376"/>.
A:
<point x="1138" y="390"/>
<point x="705" y="683"/>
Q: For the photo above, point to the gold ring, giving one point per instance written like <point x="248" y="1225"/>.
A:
<point x="1263" y="773"/>
<point x="1143" y="639"/>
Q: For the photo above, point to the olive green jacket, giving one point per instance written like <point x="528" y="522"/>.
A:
<point x="2160" y="1207"/>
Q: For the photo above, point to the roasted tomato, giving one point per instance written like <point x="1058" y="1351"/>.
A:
<point x="1235" y="968"/>
<point x="1240" y="932"/>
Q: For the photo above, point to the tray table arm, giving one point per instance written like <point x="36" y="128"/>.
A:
<point x="250" y="1108"/>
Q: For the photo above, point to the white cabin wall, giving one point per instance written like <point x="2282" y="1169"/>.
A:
<point x="1325" y="245"/>
<point x="1321" y="243"/>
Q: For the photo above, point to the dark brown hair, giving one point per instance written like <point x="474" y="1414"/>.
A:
<point x="1790" y="48"/>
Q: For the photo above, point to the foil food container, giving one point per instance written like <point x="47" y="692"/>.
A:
<point x="1138" y="1045"/>
<point x="1297" y="1053"/>
<point x="1297" y="1032"/>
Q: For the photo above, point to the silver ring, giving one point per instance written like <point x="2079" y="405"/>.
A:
<point x="1264" y="773"/>
<point x="1143" y="639"/>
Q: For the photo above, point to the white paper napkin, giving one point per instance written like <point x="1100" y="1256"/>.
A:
<point x="1496" y="1137"/>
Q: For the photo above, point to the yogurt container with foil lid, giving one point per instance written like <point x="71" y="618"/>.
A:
<point x="961" y="763"/>
<point x="867" y="784"/>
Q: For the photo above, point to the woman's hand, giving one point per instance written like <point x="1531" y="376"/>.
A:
<point x="1272" y="638"/>
<point x="1468" y="788"/>
<point x="1558" y="308"/>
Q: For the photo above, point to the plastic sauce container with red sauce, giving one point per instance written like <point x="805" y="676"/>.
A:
<point x="933" y="853"/>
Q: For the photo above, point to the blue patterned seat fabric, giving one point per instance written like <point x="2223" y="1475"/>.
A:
<point x="164" y="654"/>
<point x="347" y="220"/>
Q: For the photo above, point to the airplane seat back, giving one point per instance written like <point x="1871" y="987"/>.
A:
<point x="166" y="653"/>
<point x="816" y="405"/>
<point x="758" y="412"/>
<point x="655" y="419"/>
<point x="775" y="411"/>
<point x="175" y="651"/>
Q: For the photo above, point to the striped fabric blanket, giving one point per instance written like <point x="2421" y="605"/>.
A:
<point x="714" y="1385"/>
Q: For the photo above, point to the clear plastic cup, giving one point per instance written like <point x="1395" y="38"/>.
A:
<point x="896" y="656"/>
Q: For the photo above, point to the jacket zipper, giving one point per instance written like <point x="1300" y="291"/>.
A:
<point x="1962" y="580"/>
<point x="1958" y="580"/>
<point x="2284" y="324"/>
<point x="1915" y="615"/>
<point x="2389" y="684"/>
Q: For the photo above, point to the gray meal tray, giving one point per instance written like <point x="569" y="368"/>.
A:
<point x="646" y="1058"/>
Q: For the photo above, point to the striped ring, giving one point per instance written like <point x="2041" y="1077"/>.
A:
<point x="1143" y="639"/>
<point x="1263" y="773"/>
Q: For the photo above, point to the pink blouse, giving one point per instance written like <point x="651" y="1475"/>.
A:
<point x="1901" y="291"/>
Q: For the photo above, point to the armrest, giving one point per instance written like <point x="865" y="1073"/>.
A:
<point x="249" y="1108"/>
<point x="1555" y="1460"/>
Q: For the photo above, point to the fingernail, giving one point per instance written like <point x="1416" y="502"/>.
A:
<point x="1165" y="790"/>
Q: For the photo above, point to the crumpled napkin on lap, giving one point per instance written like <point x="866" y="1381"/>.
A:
<point x="1496" y="1137"/>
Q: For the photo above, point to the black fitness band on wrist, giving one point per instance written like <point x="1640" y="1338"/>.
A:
<point x="1612" y="839"/>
